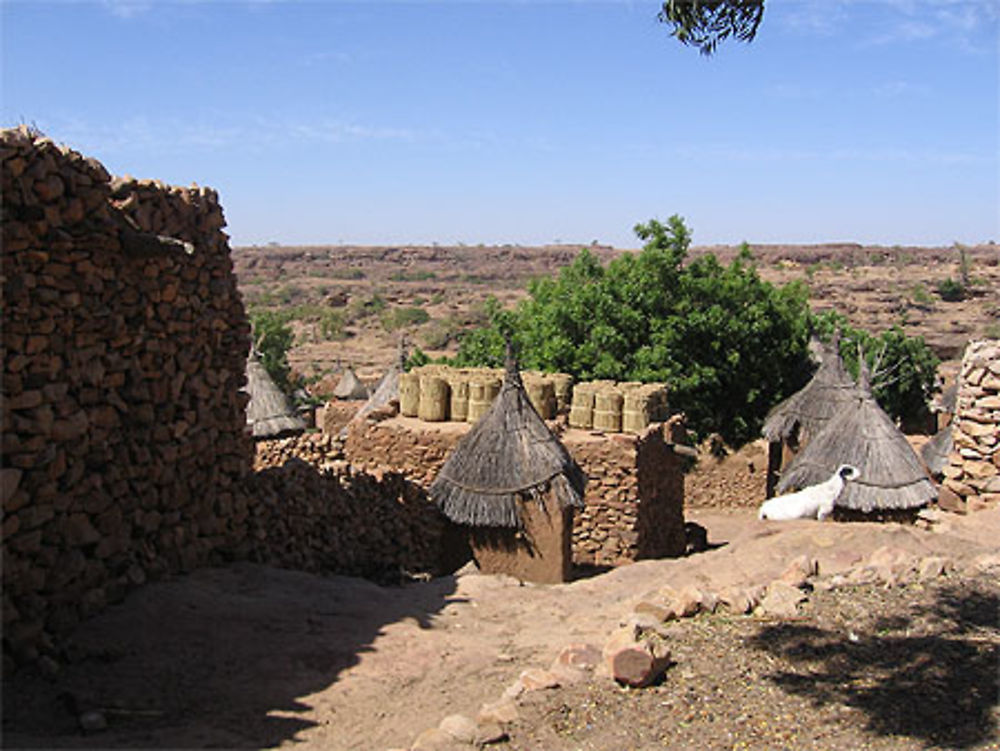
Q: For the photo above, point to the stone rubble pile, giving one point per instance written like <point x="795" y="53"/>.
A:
<point x="973" y="469"/>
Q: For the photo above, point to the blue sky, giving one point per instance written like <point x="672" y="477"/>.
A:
<point x="529" y="122"/>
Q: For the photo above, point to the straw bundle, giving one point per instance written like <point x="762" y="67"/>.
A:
<point x="458" y="381"/>
<point x="409" y="394"/>
<point x="608" y="410"/>
<point x="482" y="391"/>
<point x="434" y="399"/>
<point x="542" y="394"/>
<point x="581" y="412"/>
<point x="563" y="384"/>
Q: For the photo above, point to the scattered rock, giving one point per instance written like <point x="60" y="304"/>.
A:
<point x="459" y="727"/>
<point x="800" y="570"/>
<point x="932" y="567"/>
<point x="500" y="712"/>
<point x="575" y="662"/>
<point x="782" y="600"/>
<point x="636" y="658"/>
<point x="433" y="739"/>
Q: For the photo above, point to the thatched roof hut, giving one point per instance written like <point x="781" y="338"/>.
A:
<point x="350" y="386"/>
<point x="510" y="455"/>
<point x="862" y="434"/>
<point x="270" y="413"/>
<point x="803" y="415"/>
<point x="384" y="392"/>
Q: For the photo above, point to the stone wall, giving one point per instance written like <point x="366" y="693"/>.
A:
<point x="973" y="470"/>
<point x="125" y="453"/>
<point x="634" y="498"/>
<point x="123" y="356"/>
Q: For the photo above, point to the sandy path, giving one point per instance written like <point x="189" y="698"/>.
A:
<point x="250" y="656"/>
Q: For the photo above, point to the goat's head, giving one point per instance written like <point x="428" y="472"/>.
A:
<point x="848" y="472"/>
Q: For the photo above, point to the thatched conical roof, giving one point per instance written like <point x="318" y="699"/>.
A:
<point x="386" y="390"/>
<point x="805" y="412"/>
<point x="270" y="413"/>
<point x="350" y="386"/>
<point x="509" y="455"/>
<point x="863" y="435"/>
<point x="936" y="451"/>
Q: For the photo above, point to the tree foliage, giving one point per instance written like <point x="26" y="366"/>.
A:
<point x="272" y="338"/>
<point x="903" y="368"/>
<point x="728" y="343"/>
<point x="705" y="23"/>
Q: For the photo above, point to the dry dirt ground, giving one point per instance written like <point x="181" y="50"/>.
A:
<point x="247" y="656"/>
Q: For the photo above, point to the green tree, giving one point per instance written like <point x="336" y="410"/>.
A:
<point x="272" y="339"/>
<point x="728" y="343"/>
<point x="705" y="23"/>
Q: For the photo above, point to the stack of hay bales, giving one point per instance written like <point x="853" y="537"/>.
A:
<point x="618" y="407"/>
<point x="438" y="393"/>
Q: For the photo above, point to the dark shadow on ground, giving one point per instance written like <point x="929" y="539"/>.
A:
<point x="939" y="685"/>
<point x="588" y="570"/>
<point x="224" y="657"/>
<point x="229" y="656"/>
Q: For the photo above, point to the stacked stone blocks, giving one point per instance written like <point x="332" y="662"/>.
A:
<point x="973" y="470"/>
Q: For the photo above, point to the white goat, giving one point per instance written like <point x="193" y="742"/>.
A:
<point x="814" y="502"/>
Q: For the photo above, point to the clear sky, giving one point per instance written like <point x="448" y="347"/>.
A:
<point x="529" y="122"/>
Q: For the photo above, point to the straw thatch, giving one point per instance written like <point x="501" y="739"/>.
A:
<point x="350" y="386"/>
<point x="947" y="401"/>
<point x="804" y="414"/>
<point x="510" y="455"/>
<point x="936" y="451"/>
<point x="861" y="434"/>
<point x="270" y="413"/>
<point x="386" y="391"/>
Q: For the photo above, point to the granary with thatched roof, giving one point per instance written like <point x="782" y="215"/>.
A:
<point x="514" y="485"/>
<point x="385" y="392"/>
<point x="892" y="478"/>
<point x="350" y="386"/>
<point x="794" y="422"/>
<point x="270" y="413"/>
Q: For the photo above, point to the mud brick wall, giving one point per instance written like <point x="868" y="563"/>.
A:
<point x="973" y="469"/>
<point x="634" y="498"/>
<point x="124" y="439"/>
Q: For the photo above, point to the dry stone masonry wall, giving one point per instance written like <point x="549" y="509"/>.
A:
<point x="123" y="356"/>
<point x="973" y="470"/>
<point x="125" y="454"/>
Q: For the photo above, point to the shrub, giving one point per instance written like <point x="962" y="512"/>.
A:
<point x="951" y="290"/>
<point x="397" y="318"/>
